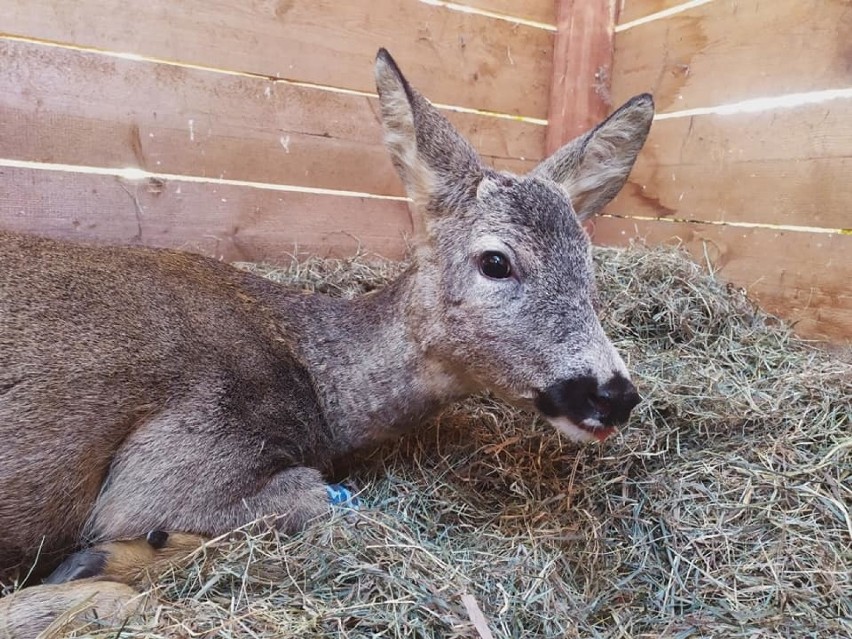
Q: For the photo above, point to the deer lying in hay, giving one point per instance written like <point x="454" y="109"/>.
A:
<point x="145" y="389"/>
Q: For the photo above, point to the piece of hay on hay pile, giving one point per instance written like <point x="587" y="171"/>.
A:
<point x="722" y="510"/>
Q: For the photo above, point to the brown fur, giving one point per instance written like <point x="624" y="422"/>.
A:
<point x="109" y="598"/>
<point x="128" y="561"/>
<point x="145" y="389"/>
<point x="58" y="609"/>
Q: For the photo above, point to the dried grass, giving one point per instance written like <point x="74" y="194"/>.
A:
<point x="722" y="510"/>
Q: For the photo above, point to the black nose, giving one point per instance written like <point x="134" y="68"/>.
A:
<point x="615" y="399"/>
<point x="582" y="398"/>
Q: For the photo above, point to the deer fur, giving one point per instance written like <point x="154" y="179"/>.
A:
<point x="109" y="597"/>
<point x="145" y="389"/>
<point x="63" y="608"/>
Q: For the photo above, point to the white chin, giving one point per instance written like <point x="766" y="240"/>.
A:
<point x="571" y="430"/>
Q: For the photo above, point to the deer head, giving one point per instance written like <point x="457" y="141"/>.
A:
<point x="505" y="295"/>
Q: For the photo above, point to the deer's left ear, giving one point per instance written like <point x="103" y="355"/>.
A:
<point x="438" y="167"/>
<point x="594" y="167"/>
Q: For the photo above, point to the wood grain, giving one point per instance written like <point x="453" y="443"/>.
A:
<point x="227" y="222"/>
<point x="802" y="277"/>
<point x="733" y="50"/>
<point x="73" y="107"/>
<point x="804" y="132"/>
<point x="630" y="10"/>
<point x="543" y="11"/>
<point x="582" y="64"/>
<point x="812" y="193"/>
<point x="790" y="168"/>
<point x="452" y="57"/>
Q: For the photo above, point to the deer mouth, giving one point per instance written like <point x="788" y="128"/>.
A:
<point x="584" y="431"/>
<point x="584" y="408"/>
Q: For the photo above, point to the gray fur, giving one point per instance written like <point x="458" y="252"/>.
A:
<point x="145" y="389"/>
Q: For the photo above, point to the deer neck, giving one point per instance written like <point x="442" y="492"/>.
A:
<point x="375" y="375"/>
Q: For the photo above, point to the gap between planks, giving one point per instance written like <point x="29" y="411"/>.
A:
<point x="743" y="225"/>
<point x="227" y="222"/>
<point x="138" y="175"/>
<point x="659" y="15"/>
<point x="463" y="8"/>
<point x="767" y="103"/>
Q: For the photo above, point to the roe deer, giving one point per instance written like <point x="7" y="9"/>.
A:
<point x="145" y="389"/>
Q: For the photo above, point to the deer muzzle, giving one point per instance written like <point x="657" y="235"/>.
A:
<point x="588" y="406"/>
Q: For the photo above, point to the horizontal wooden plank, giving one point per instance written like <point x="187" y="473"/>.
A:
<point x="802" y="133"/>
<point x="802" y="277"/>
<point x="74" y="107"/>
<point x="542" y="11"/>
<point x="629" y="10"/>
<point x="811" y="193"/>
<point x="732" y="50"/>
<point x="227" y="222"/>
<point x="792" y="168"/>
<point x="451" y="56"/>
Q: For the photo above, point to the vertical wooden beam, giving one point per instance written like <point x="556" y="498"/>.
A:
<point x="582" y="68"/>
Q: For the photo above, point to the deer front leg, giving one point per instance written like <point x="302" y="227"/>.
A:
<point x="293" y="498"/>
<point x="128" y="560"/>
<point x="204" y="478"/>
<point x="289" y="500"/>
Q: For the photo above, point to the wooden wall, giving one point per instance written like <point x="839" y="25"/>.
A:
<point x="764" y="195"/>
<point x="256" y="127"/>
<point x="240" y="110"/>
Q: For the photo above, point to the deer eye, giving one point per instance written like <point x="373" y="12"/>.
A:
<point x="495" y="265"/>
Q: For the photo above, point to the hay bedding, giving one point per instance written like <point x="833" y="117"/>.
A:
<point x="723" y="510"/>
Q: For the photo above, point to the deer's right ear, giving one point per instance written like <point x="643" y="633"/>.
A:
<point x="593" y="168"/>
<point x="438" y="167"/>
